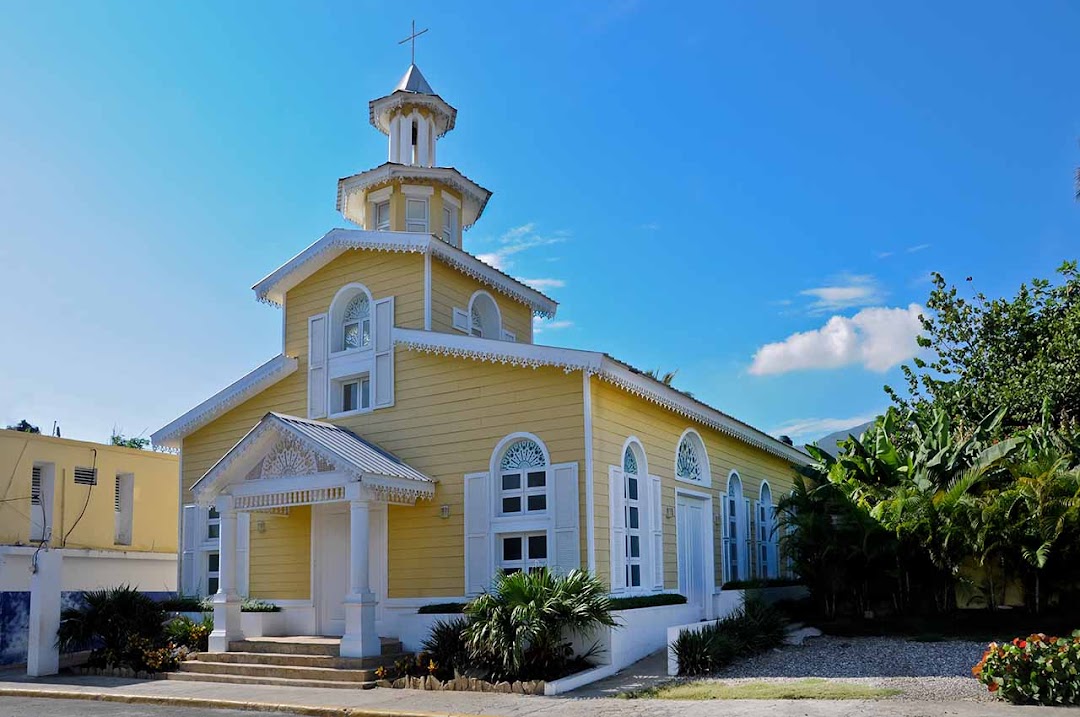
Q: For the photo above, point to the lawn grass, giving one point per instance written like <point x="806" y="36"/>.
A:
<point x="809" y="689"/>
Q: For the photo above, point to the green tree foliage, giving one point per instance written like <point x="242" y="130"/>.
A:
<point x="119" y="439"/>
<point x="24" y="426"/>
<point x="1017" y="354"/>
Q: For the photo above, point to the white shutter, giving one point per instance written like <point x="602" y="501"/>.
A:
<point x="478" y="568"/>
<point x="725" y="542"/>
<point x="384" y="353"/>
<point x="243" y="550"/>
<point x="617" y="518"/>
<point x="317" y="349"/>
<point x="758" y="544"/>
<point x="656" y="531"/>
<point x="745" y="539"/>
<point x="190" y="538"/>
<point x="461" y="320"/>
<point x="509" y="335"/>
<point x="567" y="553"/>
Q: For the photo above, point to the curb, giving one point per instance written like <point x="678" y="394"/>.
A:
<point x="207" y="703"/>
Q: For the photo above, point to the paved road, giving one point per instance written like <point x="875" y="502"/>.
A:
<point x="34" y="707"/>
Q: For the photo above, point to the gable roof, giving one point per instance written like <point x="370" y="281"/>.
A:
<point x="607" y="368"/>
<point x="345" y="451"/>
<point x="273" y="287"/>
<point x="254" y="382"/>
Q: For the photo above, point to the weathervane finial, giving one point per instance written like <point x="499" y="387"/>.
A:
<point x="412" y="38"/>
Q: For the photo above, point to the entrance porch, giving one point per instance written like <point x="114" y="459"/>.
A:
<point x="287" y="462"/>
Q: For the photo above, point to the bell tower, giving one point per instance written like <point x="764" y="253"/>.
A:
<point x="410" y="192"/>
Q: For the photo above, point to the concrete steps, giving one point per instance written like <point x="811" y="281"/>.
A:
<point x="288" y="661"/>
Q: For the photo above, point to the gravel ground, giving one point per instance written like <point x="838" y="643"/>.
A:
<point x="923" y="670"/>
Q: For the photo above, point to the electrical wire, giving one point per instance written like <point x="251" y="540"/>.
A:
<point x="85" y="504"/>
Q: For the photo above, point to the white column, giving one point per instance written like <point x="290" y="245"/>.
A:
<point x="422" y="141"/>
<point x="395" y="139"/>
<point x="227" y="600"/>
<point x="404" y="130"/>
<point x="431" y="144"/>
<point x="42" y="654"/>
<point x="360" y="639"/>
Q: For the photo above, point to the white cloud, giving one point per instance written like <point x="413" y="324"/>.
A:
<point x="542" y="325"/>
<point x="802" y="430"/>
<point x="515" y="241"/>
<point x="543" y="284"/>
<point x="846" y="291"/>
<point x="917" y="247"/>
<point x="877" y="338"/>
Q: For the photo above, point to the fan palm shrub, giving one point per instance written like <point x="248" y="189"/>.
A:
<point x="119" y="625"/>
<point x="522" y="628"/>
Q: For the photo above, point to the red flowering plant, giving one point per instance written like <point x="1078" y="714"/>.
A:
<point x="1036" y="670"/>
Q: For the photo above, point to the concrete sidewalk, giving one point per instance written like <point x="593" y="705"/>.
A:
<point x="394" y="703"/>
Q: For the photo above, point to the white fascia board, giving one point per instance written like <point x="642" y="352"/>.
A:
<point x="467" y="263"/>
<point x="508" y="352"/>
<point x="656" y="391"/>
<point x="258" y="380"/>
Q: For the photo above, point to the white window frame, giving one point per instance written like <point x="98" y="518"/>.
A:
<point x="41" y="501"/>
<point x="635" y="506"/>
<point x="380" y="223"/>
<point x="413" y="224"/>
<point x="124" y="508"/>
<point x="338" y="306"/>
<point x="209" y="574"/>
<point x="525" y="521"/>
<point x="734" y="530"/>
<point x="527" y="561"/>
<point x="494" y="316"/>
<point x="698" y="445"/>
<point x="337" y="405"/>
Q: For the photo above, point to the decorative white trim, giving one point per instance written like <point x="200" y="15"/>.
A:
<point x="590" y="489"/>
<point x="380" y="195"/>
<point x="418" y="190"/>
<point x="379" y="110"/>
<point x="706" y="470"/>
<point x="640" y="455"/>
<point x="500" y="447"/>
<point x="258" y="380"/>
<point x="494" y="351"/>
<point x="451" y="199"/>
<point x="498" y="313"/>
<point x="272" y="288"/>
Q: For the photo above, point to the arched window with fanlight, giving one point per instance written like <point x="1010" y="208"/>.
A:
<point x="734" y="522"/>
<point x="691" y="460"/>
<point x="767" y="534"/>
<point x="521" y="514"/>
<point x="485" y="319"/>
<point x="636" y="527"/>
<point x="634" y="490"/>
<point x="351" y="319"/>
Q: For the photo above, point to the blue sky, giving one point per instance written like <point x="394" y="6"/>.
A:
<point x="750" y="193"/>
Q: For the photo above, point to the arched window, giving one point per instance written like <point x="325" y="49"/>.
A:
<point x="767" y="536"/>
<point x="733" y="528"/>
<point x="691" y="461"/>
<point x="351" y="319"/>
<point x="634" y="503"/>
<point x="485" y="321"/>
<point x="522" y="478"/>
<point x="521" y="468"/>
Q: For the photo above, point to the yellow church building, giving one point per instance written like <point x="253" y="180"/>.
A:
<point x="410" y="439"/>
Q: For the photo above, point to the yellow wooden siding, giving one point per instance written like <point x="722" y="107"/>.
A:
<point x="84" y="516"/>
<point x="451" y="289"/>
<point x="617" y="415"/>
<point x="280" y="556"/>
<point x="448" y="416"/>
<point x="400" y="275"/>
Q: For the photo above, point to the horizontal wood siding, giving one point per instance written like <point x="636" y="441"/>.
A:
<point x="450" y="288"/>
<point x="448" y="416"/>
<point x="617" y="415"/>
<point x="280" y="557"/>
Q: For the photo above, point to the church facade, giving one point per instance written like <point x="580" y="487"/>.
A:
<point x="409" y="440"/>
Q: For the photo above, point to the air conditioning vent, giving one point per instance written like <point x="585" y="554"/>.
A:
<point x="86" y="476"/>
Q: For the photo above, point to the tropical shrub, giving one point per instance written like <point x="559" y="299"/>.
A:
<point x="1037" y="670"/>
<point x="639" y="601"/>
<point x="442" y="608"/>
<point x="753" y="628"/>
<point x="182" y="603"/>
<point x="253" y="605"/>
<point x="119" y="625"/>
<point x="445" y="647"/>
<point x="521" y="630"/>
<point x="185" y="632"/>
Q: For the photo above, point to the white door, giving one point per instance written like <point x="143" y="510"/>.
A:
<point x="330" y="525"/>
<point x="331" y="569"/>
<point x="690" y="538"/>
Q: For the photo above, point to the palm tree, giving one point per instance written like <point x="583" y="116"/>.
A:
<point x="1042" y="501"/>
